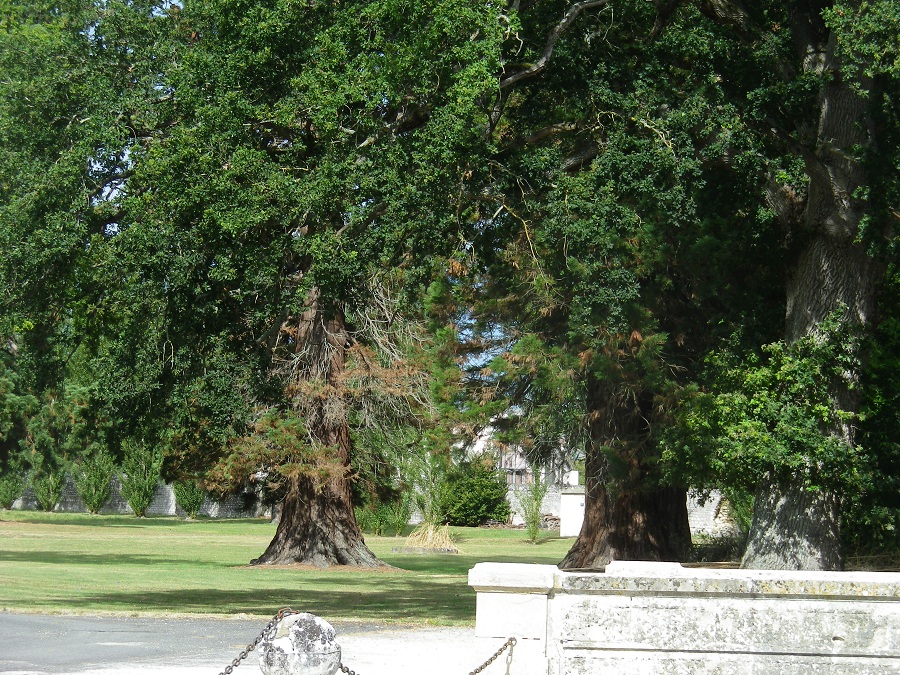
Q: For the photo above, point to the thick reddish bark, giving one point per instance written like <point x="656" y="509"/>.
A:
<point x="647" y="525"/>
<point x="627" y="514"/>
<point x="317" y="525"/>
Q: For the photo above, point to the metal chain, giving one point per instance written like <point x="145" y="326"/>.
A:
<point x="283" y="612"/>
<point x="509" y="643"/>
<point x="287" y="611"/>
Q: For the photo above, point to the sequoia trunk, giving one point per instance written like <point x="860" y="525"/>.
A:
<point x="317" y="525"/>
<point x="627" y="514"/>
<point x="650" y="524"/>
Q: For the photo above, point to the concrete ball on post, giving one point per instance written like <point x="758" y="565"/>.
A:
<point x="300" y="644"/>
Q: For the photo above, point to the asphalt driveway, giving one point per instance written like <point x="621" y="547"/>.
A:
<point x="32" y="644"/>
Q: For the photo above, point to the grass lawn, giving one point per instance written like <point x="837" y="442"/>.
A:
<point x="53" y="562"/>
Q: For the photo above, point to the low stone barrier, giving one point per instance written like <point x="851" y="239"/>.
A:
<point x="665" y="619"/>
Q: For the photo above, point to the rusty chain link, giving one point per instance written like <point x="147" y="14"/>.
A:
<point x="283" y="612"/>
<point x="509" y="643"/>
<point x="287" y="611"/>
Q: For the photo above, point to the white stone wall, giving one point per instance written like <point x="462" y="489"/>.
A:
<point x="549" y="506"/>
<point x="641" y="618"/>
<point x="710" y="516"/>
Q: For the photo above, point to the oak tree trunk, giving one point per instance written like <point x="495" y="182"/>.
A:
<point x="317" y="525"/>
<point x="627" y="514"/>
<point x="795" y="527"/>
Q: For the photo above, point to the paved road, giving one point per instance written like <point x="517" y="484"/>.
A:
<point x="32" y="644"/>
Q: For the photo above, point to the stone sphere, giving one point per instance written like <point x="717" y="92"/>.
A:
<point x="300" y="644"/>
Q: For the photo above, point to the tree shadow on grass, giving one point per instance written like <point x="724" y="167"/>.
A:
<point x="457" y="564"/>
<point x="80" y="558"/>
<point x="367" y="598"/>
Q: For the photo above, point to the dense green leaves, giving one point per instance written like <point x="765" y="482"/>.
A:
<point x="586" y="212"/>
<point x="770" y="415"/>
<point x="474" y="495"/>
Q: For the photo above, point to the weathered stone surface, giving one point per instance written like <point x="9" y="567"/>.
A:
<point x="300" y="644"/>
<point x="519" y="615"/>
<point x="512" y="578"/>
<point x="666" y="619"/>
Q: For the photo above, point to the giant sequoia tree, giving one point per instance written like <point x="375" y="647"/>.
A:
<point x="306" y="148"/>
<point x="602" y="256"/>
<point x="233" y="187"/>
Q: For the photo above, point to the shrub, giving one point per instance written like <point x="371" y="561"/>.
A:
<point x="139" y="475"/>
<point x="475" y="494"/>
<point x="363" y="518"/>
<point x="47" y="485"/>
<point x="531" y="501"/>
<point x="189" y="496"/>
<point x="12" y="484"/>
<point x="92" y="477"/>
<point x="383" y="518"/>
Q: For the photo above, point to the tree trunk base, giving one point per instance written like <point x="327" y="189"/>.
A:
<point x="651" y="525"/>
<point x="794" y="528"/>
<point x="317" y="527"/>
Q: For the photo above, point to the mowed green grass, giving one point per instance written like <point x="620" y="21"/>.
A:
<point x="57" y="563"/>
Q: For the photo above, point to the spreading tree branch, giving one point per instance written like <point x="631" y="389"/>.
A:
<point x="541" y="64"/>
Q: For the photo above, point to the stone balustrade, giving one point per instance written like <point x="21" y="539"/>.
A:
<point x="665" y="619"/>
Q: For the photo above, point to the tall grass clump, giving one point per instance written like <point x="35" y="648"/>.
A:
<point x="432" y="537"/>
<point x="531" y="500"/>
<point x="385" y="518"/>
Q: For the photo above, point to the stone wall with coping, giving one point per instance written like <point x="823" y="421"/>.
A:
<point x="661" y="618"/>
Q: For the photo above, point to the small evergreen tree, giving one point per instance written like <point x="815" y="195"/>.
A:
<point x="47" y="484"/>
<point x="12" y="484"/>
<point x="139" y="475"/>
<point x="189" y="496"/>
<point x="92" y="476"/>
